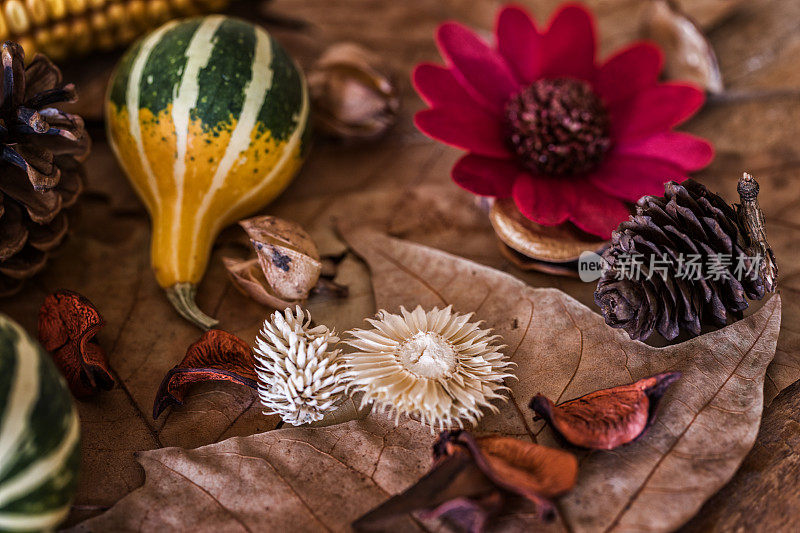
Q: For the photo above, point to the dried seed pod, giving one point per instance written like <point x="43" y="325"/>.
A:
<point x="689" y="54"/>
<point x="471" y="479"/>
<point x="216" y="356"/>
<point x="68" y="323"/>
<point x="751" y="219"/>
<point x="352" y="94"/>
<point x="289" y="262"/>
<point x="608" y="418"/>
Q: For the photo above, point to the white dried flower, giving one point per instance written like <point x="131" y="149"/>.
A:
<point x="436" y="366"/>
<point x="299" y="377"/>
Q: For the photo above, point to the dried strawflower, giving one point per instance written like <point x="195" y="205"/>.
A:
<point x="435" y="365"/>
<point x="300" y="376"/>
<point x="289" y="263"/>
<point x="216" y="356"/>
<point x="472" y="478"/>
<point x="352" y="94"/>
<point x="68" y="323"/>
<point x="608" y="418"/>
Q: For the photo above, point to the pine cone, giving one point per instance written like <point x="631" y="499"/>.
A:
<point x="688" y="221"/>
<point x="40" y="171"/>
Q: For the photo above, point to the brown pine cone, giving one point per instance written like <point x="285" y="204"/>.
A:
<point x="40" y="173"/>
<point x="687" y="221"/>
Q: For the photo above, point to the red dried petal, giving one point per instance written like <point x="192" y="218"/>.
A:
<point x="608" y="418"/>
<point x="217" y="356"/>
<point x="471" y="480"/>
<point x="68" y="323"/>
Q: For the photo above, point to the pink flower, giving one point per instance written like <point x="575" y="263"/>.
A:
<point x="567" y="138"/>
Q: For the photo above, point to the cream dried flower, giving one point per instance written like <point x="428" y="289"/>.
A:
<point x="299" y="377"/>
<point x="435" y="365"/>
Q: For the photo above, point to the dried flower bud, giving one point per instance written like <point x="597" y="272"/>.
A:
<point x="289" y="261"/>
<point x="352" y="94"/>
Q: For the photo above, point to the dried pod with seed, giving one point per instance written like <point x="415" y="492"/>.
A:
<point x="289" y="261"/>
<point x="608" y="418"/>
<point x="352" y="94"/>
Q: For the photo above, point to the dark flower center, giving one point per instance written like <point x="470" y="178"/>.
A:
<point x="558" y="127"/>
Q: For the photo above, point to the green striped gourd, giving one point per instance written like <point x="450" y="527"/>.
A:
<point x="208" y="117"/>
<point x="39" y="435"/>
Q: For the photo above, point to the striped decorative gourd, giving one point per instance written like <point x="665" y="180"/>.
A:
<point x="39" y="435"/>
<point x="208" y="117"/>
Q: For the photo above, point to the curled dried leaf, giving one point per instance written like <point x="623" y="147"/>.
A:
<point x="608" y="418"/>
<point x="288" y="258"/>
<point x="68" y="323"/>
<point x="353" y="95"/>
<point x="217" y="356"/>
<point x="472" y="478"/>
<point x="689" y="55"/>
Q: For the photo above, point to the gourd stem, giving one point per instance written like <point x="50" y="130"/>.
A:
<point x="181" y="296"/>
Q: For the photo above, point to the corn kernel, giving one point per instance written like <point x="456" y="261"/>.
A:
<point x="157" y="12"/>
<point x="16" y="17"/>
<point x="80" y="36"/>
<point x="37" y="11"/>
<point x="56" y="8"/>
<point x="3" y="27"/>
<point x="76" y="7"/>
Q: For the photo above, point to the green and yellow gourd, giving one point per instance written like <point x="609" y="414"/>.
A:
<point x="39" y="435"/>
<point x="209" y="119"/>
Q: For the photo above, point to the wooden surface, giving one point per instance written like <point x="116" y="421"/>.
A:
<point x="402" y="185"/>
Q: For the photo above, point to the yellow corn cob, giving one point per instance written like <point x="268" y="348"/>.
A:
<point x="69" y="28"/>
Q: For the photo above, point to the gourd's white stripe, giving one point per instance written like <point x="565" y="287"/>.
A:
<point x="21" y="399"/>
<point x="255" y="93"/>
<point x="288" y="153"/>
<point x="40" y="471"/>
<point x="132" y="103"/>
<point x="32" y="522"/>
<point x="185" y="97"/>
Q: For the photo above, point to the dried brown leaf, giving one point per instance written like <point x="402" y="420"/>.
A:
<point x="327" y="477"/>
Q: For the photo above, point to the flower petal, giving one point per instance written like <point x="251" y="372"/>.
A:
<point x="654" y="110"/>
<point x="681" y="149"/>
<point x="520" y="43"/>
<point x="596" y="212"/>
<point x="628" y="72"/>
<point x="631" y="177"/>
<point x="485" y="176"/>
<point x="544" y="200"/>
<point x="569" y="44"/>
<point x="469" y="129"/>
<point x="438" y="87"/>
<point x="476" y="65"/>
